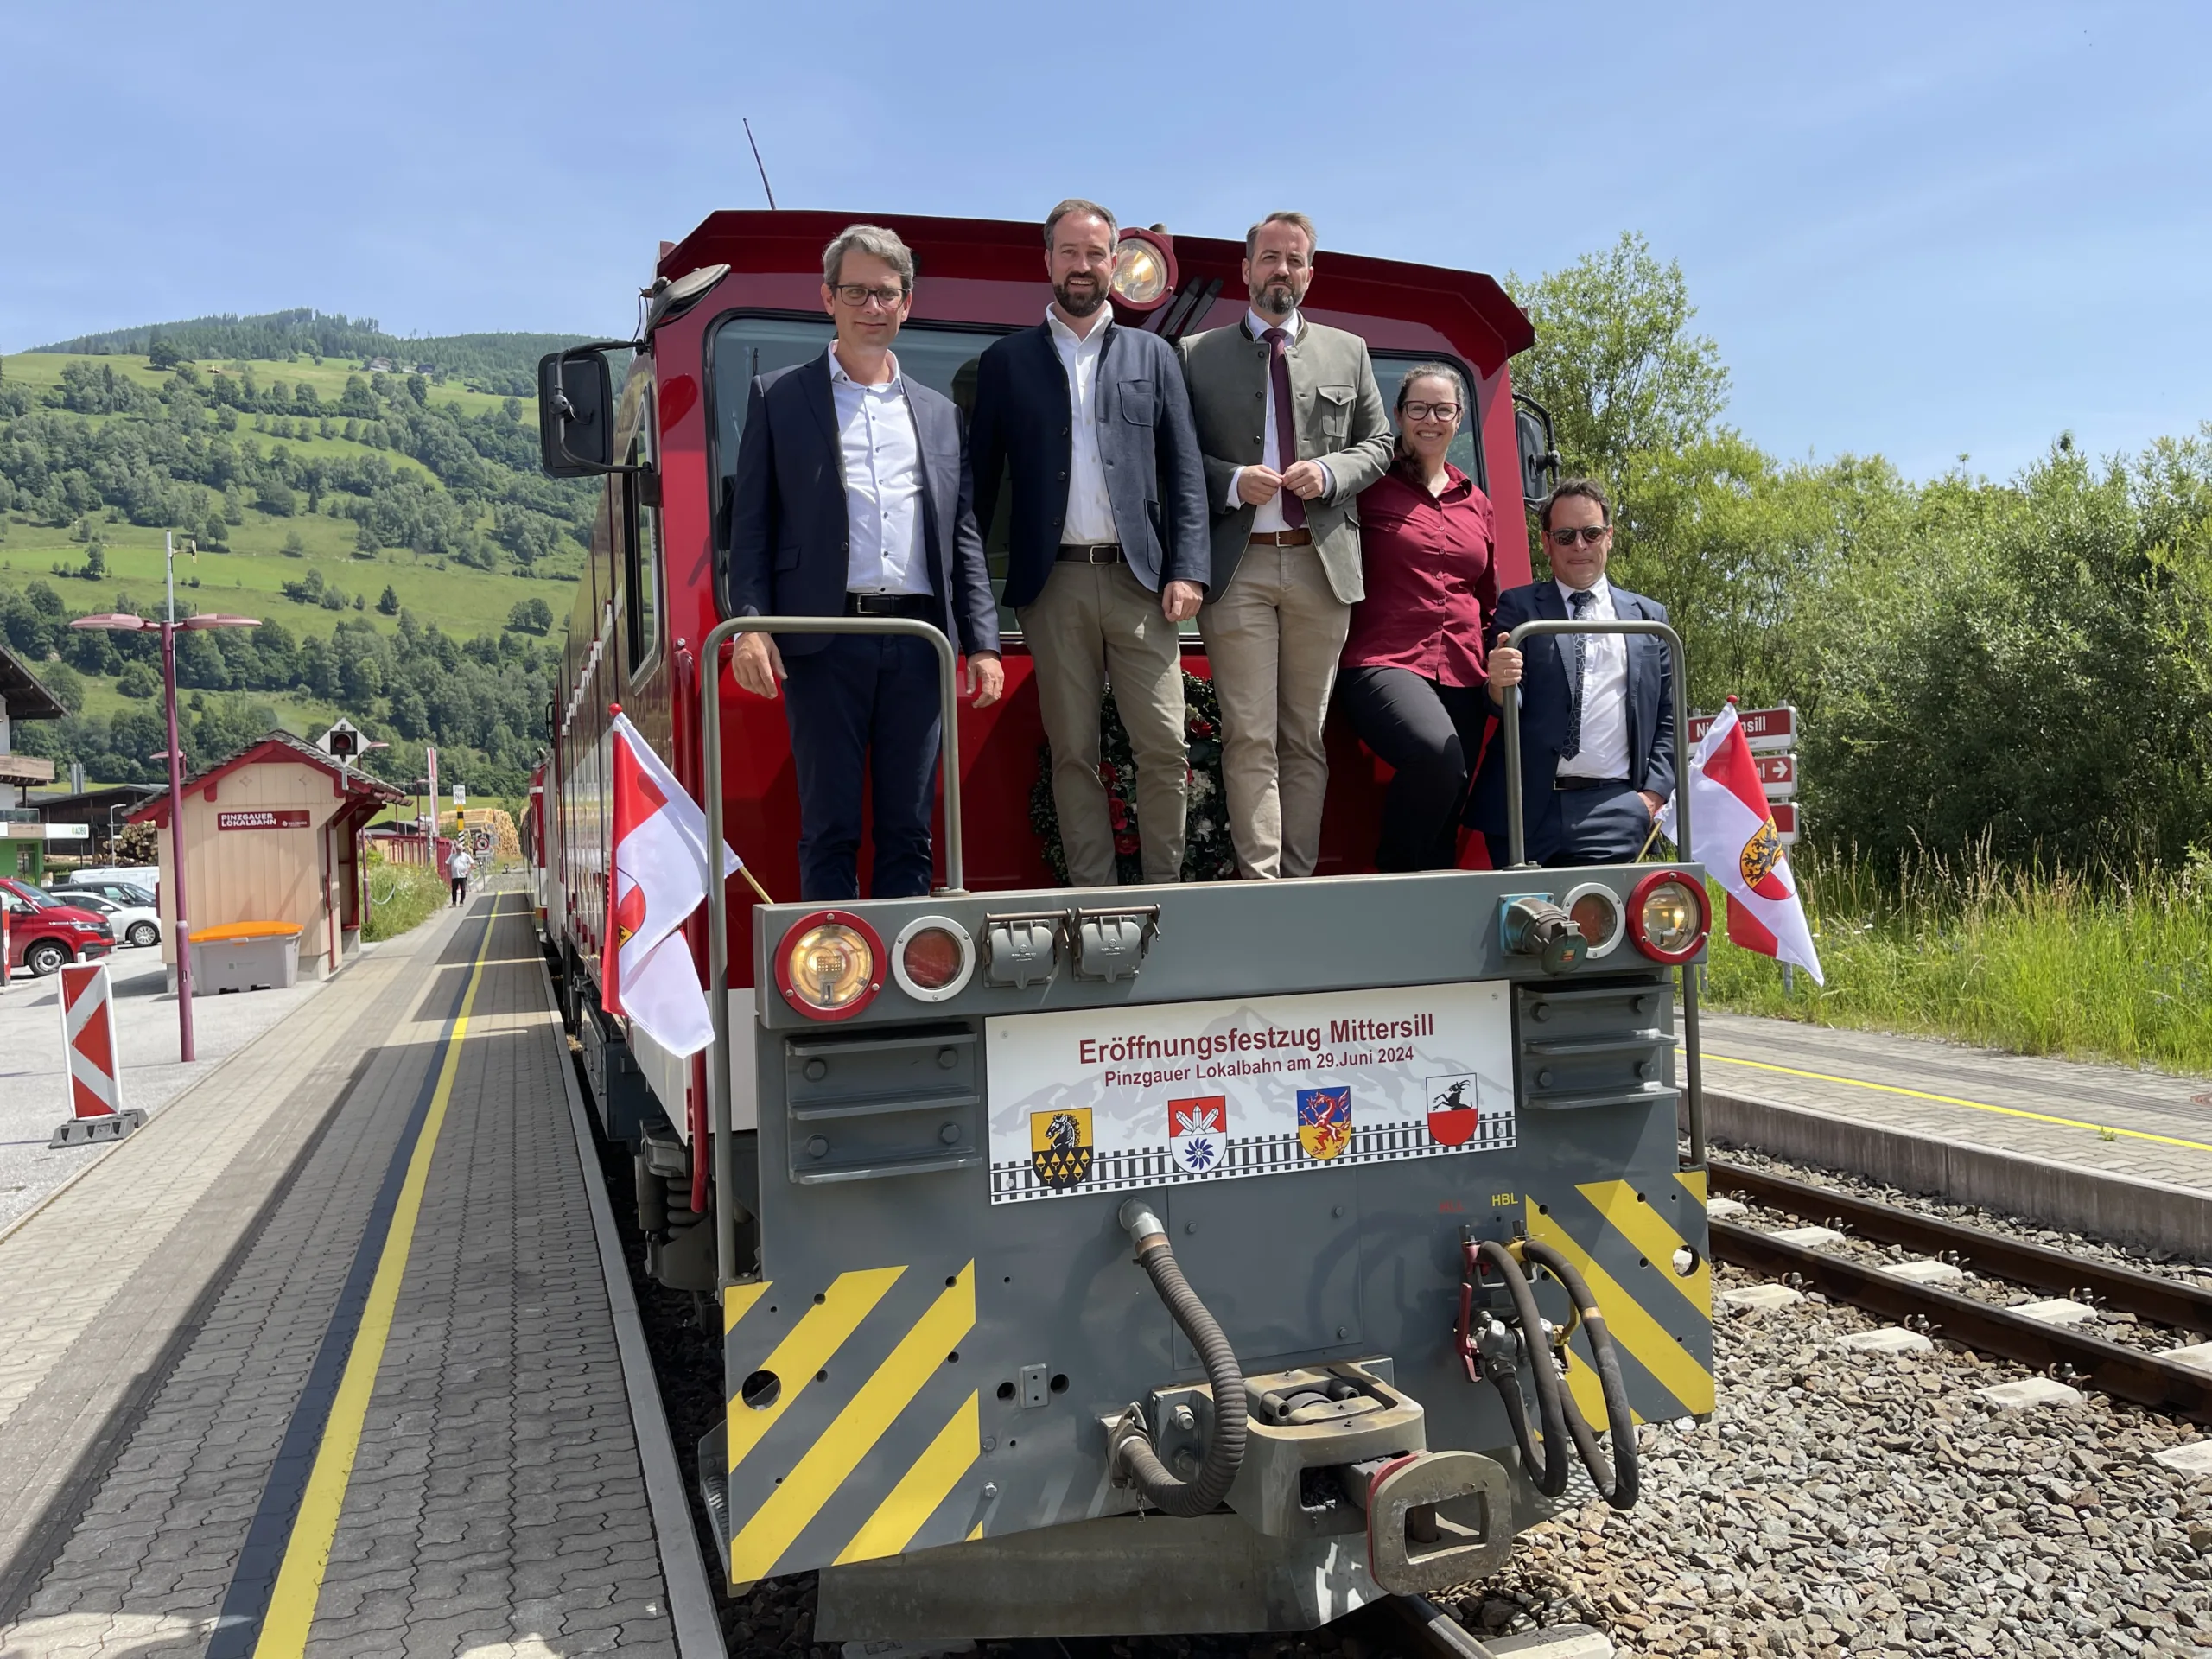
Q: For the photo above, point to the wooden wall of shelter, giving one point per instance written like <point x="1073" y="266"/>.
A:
<point x="273" y="835"/>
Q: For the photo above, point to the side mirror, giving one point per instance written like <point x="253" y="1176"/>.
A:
<point x="1532" y="427"/>
<point x="576" y="411"/>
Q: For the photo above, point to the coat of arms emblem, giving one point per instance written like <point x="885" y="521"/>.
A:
<point x="1325" y="1121"/>
<point x="1454" y="1104"/>
<point x="1059" y="1147"/>
<point x="1197" y="1130"/>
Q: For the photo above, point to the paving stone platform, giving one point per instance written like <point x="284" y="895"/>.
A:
<point x="2100" y="1149"/>
<point x="166" y="1313"/>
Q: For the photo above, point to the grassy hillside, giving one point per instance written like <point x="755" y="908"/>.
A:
<point x="392" y="523"/>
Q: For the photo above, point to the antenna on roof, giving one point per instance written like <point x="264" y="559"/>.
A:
<point x="765" y="185"/>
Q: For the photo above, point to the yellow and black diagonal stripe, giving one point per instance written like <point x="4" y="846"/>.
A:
<point x="859" y="1444"/>
<point x="1661" y="1320"/>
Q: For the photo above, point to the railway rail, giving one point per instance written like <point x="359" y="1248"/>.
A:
<point x="2077" y="1356"/>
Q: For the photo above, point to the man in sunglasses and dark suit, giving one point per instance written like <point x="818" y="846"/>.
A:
<point x="1597" y="709"/>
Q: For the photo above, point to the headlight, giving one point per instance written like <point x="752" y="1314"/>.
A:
<point x="1597" y="911"/>
<point x="1144" y="269"/>
<point x="932" y="958"/>
<point x="829" y="965"/>
<point x="1668" y="916"/>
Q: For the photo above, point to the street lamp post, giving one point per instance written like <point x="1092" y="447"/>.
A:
<point x="123" y="622"/>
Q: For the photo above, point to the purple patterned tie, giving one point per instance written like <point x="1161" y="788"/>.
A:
<point x="1294" y="510"/>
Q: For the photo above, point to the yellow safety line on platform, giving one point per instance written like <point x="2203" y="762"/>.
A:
<point x="2101" y="1129"/>
<point x="306" y="1557"/>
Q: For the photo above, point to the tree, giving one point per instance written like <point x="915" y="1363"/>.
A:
<point x="388" y="601"/>
<point x="1615" y="361"/>
<point x="138" y="681"/>
<point x="96" y="563"/>
<point x="274" y="497"/>
<point x="532" y="615"/>
<point x="163" y="354"/>
<point x="295" y="546"/>
<point x="66" y="684"/>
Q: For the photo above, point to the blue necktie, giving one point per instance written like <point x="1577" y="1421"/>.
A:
<point x="1579" y="604"/>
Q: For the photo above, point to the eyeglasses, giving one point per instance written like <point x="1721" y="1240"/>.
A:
<point x="1588" y="534"/>
<point x="1431" y="411"/>
<point x="857" y="295"/>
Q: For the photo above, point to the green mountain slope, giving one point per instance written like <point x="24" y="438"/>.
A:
<point x="394" y="527"/>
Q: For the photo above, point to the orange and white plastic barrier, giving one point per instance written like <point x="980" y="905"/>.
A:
<point x="97" y="1111"/>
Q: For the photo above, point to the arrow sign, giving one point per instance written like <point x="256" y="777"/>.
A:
<point x="1778" y="775"/>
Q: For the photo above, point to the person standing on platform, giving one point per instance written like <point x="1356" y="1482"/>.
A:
<point x="850" y="499"/>
<point x="1293" y="428"/>
<point x="459" y="867"/>
<point x="1108" y="552"/>
<point x="1411" y="681"/>
<point x="1597" y="709"/>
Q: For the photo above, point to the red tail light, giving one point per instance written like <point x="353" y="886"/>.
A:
<point x="1668" y="916"/>
<point x="932" y="958"/>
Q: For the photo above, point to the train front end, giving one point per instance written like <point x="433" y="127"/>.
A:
<point x="1353" y="1111"/>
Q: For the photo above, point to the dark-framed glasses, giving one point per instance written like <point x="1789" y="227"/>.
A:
<point x="1417" y="411"/>
<point x="857" y="295"/>
<point x="1588" y="534"/>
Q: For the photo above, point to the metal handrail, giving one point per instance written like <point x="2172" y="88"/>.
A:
<point x="710" y="740"/>
<point x="1517" y="840"/>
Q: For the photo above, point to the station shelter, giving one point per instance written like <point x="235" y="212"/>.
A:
<point x="273" y="835"/>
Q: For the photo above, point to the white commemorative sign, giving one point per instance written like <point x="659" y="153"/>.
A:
<point x="1106" y="1099"/>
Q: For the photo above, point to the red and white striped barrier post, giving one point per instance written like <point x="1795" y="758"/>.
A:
<point x="97" y="1111"/>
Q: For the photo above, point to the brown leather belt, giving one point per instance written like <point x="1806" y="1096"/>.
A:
<point x="1280" y="538"/>
<point x="1089" y="553"/>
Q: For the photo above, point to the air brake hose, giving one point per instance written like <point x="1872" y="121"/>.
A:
<point x="1615" y="1480"/>
<point x="1133" y="1447"/>
<point x="1547" y="1464"/>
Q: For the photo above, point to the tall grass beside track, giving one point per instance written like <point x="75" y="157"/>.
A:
<point x="2115" y="966"/>
<point x="401" y="897"/>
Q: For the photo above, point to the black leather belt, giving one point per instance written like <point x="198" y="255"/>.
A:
<point x="1559" y="782"/>
<point x="1090" y="553"/>
<point x="922" y="606"/>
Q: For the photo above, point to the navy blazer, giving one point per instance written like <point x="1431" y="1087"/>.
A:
<point x="1155" y="475"/>
<point x="1544" y="706"/>
<point x="789" y="535"/>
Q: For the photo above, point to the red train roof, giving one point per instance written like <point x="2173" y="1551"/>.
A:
<point x="1005" y="249"/>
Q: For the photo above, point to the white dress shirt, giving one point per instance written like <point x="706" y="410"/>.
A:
<point x="1266" y="517"/>
<point x="1604" y="752"/>
<point x="1091" y="509"/>
<point x="883" y="484"/>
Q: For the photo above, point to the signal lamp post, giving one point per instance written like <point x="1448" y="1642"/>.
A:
<point x="123" y="622"/>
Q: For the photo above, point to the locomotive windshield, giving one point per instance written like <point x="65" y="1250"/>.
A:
<point x="944" y="356"/>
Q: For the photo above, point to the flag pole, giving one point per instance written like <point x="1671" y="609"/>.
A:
<point x="746" y="871"/>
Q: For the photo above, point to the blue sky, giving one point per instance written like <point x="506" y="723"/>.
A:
<point x="1924" y="229"/>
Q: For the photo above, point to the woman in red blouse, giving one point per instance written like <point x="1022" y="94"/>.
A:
<point x="1412" y="678"/>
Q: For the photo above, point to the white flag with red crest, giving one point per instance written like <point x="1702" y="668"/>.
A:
<point x="1738" y="842"/>
<point x="657" y="879"/>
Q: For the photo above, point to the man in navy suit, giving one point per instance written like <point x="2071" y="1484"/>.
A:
<point x="1108" y="549"/>
<point x="1597" y="710"/>
<point x="850" y="499"/>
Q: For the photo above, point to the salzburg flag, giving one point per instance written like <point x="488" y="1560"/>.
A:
<point x="659" y="878"/>
<point x="1736" y="841"/>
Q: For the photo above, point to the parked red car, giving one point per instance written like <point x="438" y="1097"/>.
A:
<point x="43" y="932"/>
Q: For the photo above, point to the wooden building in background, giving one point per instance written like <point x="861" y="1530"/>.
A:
<point x="274" y="835"/>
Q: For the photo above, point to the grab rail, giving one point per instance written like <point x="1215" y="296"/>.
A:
<point x="710" y="740"/>
<point x="1517" y="839"/>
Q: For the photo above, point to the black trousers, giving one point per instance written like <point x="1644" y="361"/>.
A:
<point x="1431" y="734"/>
<point x="863" y="711"/>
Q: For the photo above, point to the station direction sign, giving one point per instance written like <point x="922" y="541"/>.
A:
<point x="1767" y="730"/>
<point x="1778" y="776"/>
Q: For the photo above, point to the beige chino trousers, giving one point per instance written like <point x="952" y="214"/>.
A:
<point x="1274" y="640"/>
<point x="1093" y="623"/>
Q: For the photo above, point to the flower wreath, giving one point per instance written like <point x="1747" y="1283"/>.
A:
<point x="1208" y="854"/>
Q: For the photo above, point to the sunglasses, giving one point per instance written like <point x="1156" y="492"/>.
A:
<point x="1588" y="534"/>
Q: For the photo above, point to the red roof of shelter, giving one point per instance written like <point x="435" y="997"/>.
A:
<point x="1004" y="250"/>
<point x="281" y="747"/>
